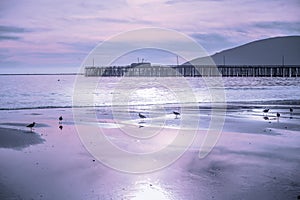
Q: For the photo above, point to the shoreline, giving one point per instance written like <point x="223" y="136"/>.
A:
<point x="254" y="158"/>
<point x="202" y="105"/>
<point x="32" y="74"/>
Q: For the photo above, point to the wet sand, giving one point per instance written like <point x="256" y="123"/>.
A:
<point x="255" y="157"/>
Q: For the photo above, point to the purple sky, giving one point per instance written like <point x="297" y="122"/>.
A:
<point x="56" y="35"/>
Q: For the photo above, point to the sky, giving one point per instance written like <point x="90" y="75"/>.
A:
<point x="55" y="36"/>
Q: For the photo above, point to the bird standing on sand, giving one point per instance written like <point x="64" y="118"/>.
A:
<point x="31" y="126"/>
<point x="291" y="113"/>
<point x="176" y="114"/>
<point x="142" y="116"/>
<point x="277" y="115"/>
<point x="266" y="110"/>
<point x="60" y="119"/>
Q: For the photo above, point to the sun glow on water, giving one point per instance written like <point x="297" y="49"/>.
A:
<point x="153" y="95"/>
<point x="148" y="191"/>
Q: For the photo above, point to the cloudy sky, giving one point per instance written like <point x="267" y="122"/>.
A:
<point x="56" y="35"/>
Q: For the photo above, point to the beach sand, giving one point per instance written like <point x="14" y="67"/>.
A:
<point x="254" y="158"/>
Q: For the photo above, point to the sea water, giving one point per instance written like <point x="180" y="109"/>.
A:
<point x="57" y="91"/>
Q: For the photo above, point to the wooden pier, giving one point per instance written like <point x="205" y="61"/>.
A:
<point x="146" y="70"/>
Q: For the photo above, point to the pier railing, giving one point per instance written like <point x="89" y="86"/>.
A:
<point x="195" y="71"/>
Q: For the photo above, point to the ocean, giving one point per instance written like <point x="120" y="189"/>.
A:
<point x="252" y="154"/>
<point x="57" y="91"/>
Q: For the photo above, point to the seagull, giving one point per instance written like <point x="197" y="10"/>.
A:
<point x="142" y="116"/>
<point x="60" y="119"/>
<point x="278" y="115"/>
<point x="176" y="113"/>
<point x="266" y="110"/>
<point x="31" y="126"/>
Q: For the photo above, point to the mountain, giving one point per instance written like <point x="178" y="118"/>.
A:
<point x="271" y="51"/>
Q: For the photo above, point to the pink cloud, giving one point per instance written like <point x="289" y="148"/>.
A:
<point x="55" y="23"/>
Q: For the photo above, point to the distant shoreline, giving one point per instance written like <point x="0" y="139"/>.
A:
<point x="43" y="74"/>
